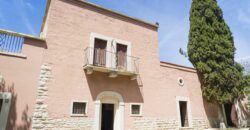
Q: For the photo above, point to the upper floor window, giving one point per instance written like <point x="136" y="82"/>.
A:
<point x="121" y="54"/>
<point x="109" y="52"/>
<point x="10" y="43"/>
<point x="100" y="47"/>
<point x="110" y="55"/>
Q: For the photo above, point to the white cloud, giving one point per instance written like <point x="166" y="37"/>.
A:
<point x="30" y="6"/>
<point x="22" y="6"/>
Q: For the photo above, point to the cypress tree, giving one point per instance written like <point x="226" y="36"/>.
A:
<point x="211" y="50"/>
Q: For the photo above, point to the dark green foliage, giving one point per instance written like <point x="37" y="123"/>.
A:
<point x="211" y="50"/>
<point x="246" y="65"/>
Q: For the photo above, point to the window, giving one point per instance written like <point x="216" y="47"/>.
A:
<point x="181" y="81"/>
<point x="79" y="108"/>
<point x="10" y="43"/>
<point x="135" y="109"/>
<point x="109" y="52"/>
<point x="121" y="54"/>
<point x="124" y="59"/>
<point x="100" y="47"/>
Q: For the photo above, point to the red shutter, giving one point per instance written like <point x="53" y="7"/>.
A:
<point x="121" y="56"/>
<point x="100" y="52"/>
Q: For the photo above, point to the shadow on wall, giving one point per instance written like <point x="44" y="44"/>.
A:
<point x="212" y="113"/>
<point x="130" y="90"/>
<point x="211" y="110"/>
<point x="12" y="118"/>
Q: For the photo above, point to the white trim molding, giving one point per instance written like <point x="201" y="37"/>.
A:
<point x="94" y="36"/>
<point x="78" y="101"/>
<point x="113" y="98"/>
<point x="6" y="96"/>
<point x="140" y="112"/>
<point x="181" y="81"/>
<point x="129" y="52"/>
<point x="111" y="48"/>
<point x="190" y="119"/>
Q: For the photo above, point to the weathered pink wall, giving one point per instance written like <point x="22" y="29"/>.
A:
<point x="21" y="78"/>
<point x="69" y="28"/>
<point x="191" y="88"/>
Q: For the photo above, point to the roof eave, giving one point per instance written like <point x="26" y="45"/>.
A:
<point x="156" y="26"/>
<point x="21" y="35"/>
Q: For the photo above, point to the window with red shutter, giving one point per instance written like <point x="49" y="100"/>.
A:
<point x="121" y="52"/>
<point x="100" y="52"/>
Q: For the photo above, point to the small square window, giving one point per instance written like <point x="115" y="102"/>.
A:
<point x="136" y="109"/>
<point x="79" y="108"/>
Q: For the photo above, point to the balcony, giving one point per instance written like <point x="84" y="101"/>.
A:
<point x="110" y="62"/>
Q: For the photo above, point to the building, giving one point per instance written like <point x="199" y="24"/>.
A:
<point x="96" y="69"/>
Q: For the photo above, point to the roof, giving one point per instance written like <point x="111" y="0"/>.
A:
<point x="179" y="67"/>
<point x="84" y="2"/>
<point x="21" y="35"/>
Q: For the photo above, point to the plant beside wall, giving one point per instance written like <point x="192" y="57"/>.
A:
<point x="211" y="50"/>
<point x="246" y="65"/>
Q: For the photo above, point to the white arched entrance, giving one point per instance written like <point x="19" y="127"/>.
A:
<point x="109" y="97"/>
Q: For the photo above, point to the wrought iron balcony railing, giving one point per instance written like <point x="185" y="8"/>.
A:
<point x="111" y="62"/>
<point x="10" y="43"/>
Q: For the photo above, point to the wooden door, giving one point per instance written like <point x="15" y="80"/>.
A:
<point x="107" y="117"/>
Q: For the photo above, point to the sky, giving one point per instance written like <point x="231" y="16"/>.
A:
<point x="26" y="16"/>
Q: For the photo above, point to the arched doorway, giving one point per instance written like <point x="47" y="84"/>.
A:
<point x="109" y="111"/>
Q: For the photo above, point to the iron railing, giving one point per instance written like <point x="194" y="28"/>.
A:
<point x="10" y="43"/>
<point x="111" y="60"/>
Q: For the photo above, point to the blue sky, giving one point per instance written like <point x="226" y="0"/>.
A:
<point x="26" y="16"/>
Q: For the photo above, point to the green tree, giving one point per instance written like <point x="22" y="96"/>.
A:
<point x="246" y="65"/>
<point x="211" y="50"/>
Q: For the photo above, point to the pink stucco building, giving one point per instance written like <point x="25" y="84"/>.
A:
<point x="96" y="69"/>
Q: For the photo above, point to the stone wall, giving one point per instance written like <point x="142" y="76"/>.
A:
<point x="40" y="116"/>
<point x="155" y="124"/>
<point x="200" y="123"/>
<point x="41" y="119"/>
<point x="167" y="124"/>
